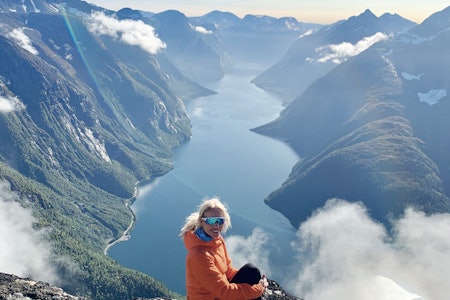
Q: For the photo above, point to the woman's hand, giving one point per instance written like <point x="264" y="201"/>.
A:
<point x="264" y="282"/>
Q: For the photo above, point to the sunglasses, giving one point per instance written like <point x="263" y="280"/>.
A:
<point x="214" y="220"/>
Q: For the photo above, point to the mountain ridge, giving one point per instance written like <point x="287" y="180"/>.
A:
<point x="366" y="132"/>
<point x="304" y="62"/>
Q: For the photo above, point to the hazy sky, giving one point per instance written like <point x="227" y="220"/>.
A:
<point x="318" y="11"/>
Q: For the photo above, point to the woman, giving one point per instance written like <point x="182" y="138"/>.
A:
<point x="209" y="272"/>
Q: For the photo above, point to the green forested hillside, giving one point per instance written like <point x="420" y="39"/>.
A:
<point x="86" y="124"/>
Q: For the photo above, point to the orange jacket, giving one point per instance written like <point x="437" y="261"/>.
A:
<point x="209" y="271"/>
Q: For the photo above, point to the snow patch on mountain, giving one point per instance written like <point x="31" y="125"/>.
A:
<point x="408" y="76"/>
<point x="36" y="10"/>
<point x="433" y="96"/>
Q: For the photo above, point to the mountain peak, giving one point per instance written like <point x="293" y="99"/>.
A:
<point x="128" y="13"/>
<point x="434" y="24"/>
<point x="367" y="14"/>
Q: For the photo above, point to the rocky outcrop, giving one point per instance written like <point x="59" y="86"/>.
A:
<point x="14" y="288"/>
<point x="275" y="292"/>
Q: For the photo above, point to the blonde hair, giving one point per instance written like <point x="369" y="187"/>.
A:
<point x="194" y="220"/>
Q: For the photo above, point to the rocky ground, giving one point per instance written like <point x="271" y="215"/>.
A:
<point x="16" y="288"/>
<point x="275" y="292"/>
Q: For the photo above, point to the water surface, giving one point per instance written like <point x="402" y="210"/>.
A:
<point x="225" y="159"/>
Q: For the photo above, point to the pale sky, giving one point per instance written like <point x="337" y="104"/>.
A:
<point x="314" y="11"/>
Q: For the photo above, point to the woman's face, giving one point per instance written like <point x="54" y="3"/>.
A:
<point x="215" y="229"/>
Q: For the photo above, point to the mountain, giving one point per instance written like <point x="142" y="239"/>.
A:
<point x="44" y="6"/>
<point x="196" y="51"/>
<point x="313" y="54"/>
<point x="89" y="106"/>
<point x="217" y="20"/>
<point x="373" y="129"/>
<point x="267" y="36"/>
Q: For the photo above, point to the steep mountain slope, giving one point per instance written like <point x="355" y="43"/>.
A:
<point x="196" y="51"/>
<point x="84" y="115"/>
<point x="373" y="130"/>
<point x="314" y="54"/>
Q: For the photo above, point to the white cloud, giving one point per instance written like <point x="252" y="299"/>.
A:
<point x="23" y="251"/>
<point x="308" y="32"/>
<point x="250" y="250"/>
<point x="344" y="254"/>
<point x="10" y="104"/>
<point x="131" y="32"/>
<point x="19" y="36"/>
<point x="339" y="53"/>
<point x="433" y="96"/>
<point x="202" y="30"/>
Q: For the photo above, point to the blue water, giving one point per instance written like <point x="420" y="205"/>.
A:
<point x="225" y="159"/>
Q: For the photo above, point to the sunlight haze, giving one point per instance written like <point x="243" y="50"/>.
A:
<point x="323" y="12"/>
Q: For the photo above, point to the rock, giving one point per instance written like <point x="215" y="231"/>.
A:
<point x="275" y="292"/>
<point x="13" y="287"/>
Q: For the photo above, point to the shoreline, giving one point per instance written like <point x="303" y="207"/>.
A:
<point x="125" y="234"/>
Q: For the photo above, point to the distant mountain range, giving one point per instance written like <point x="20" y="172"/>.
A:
<point x="315" y="53"/>
<point x="254" y="40"/>
<point x="374" y="128"/>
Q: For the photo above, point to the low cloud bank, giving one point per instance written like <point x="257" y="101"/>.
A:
<point x="339" y="53"/>
<point x="23" y="251"/>
<point x="10" y="104"/>
<point x="131" y="32"/>
<point x="342" y="253"/>
<point x="202" y="30"/>
<point x="250" y="250"/>
<point x="19" y="36"/>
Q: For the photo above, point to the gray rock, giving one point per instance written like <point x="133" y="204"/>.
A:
<point x="15" y="288"/>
